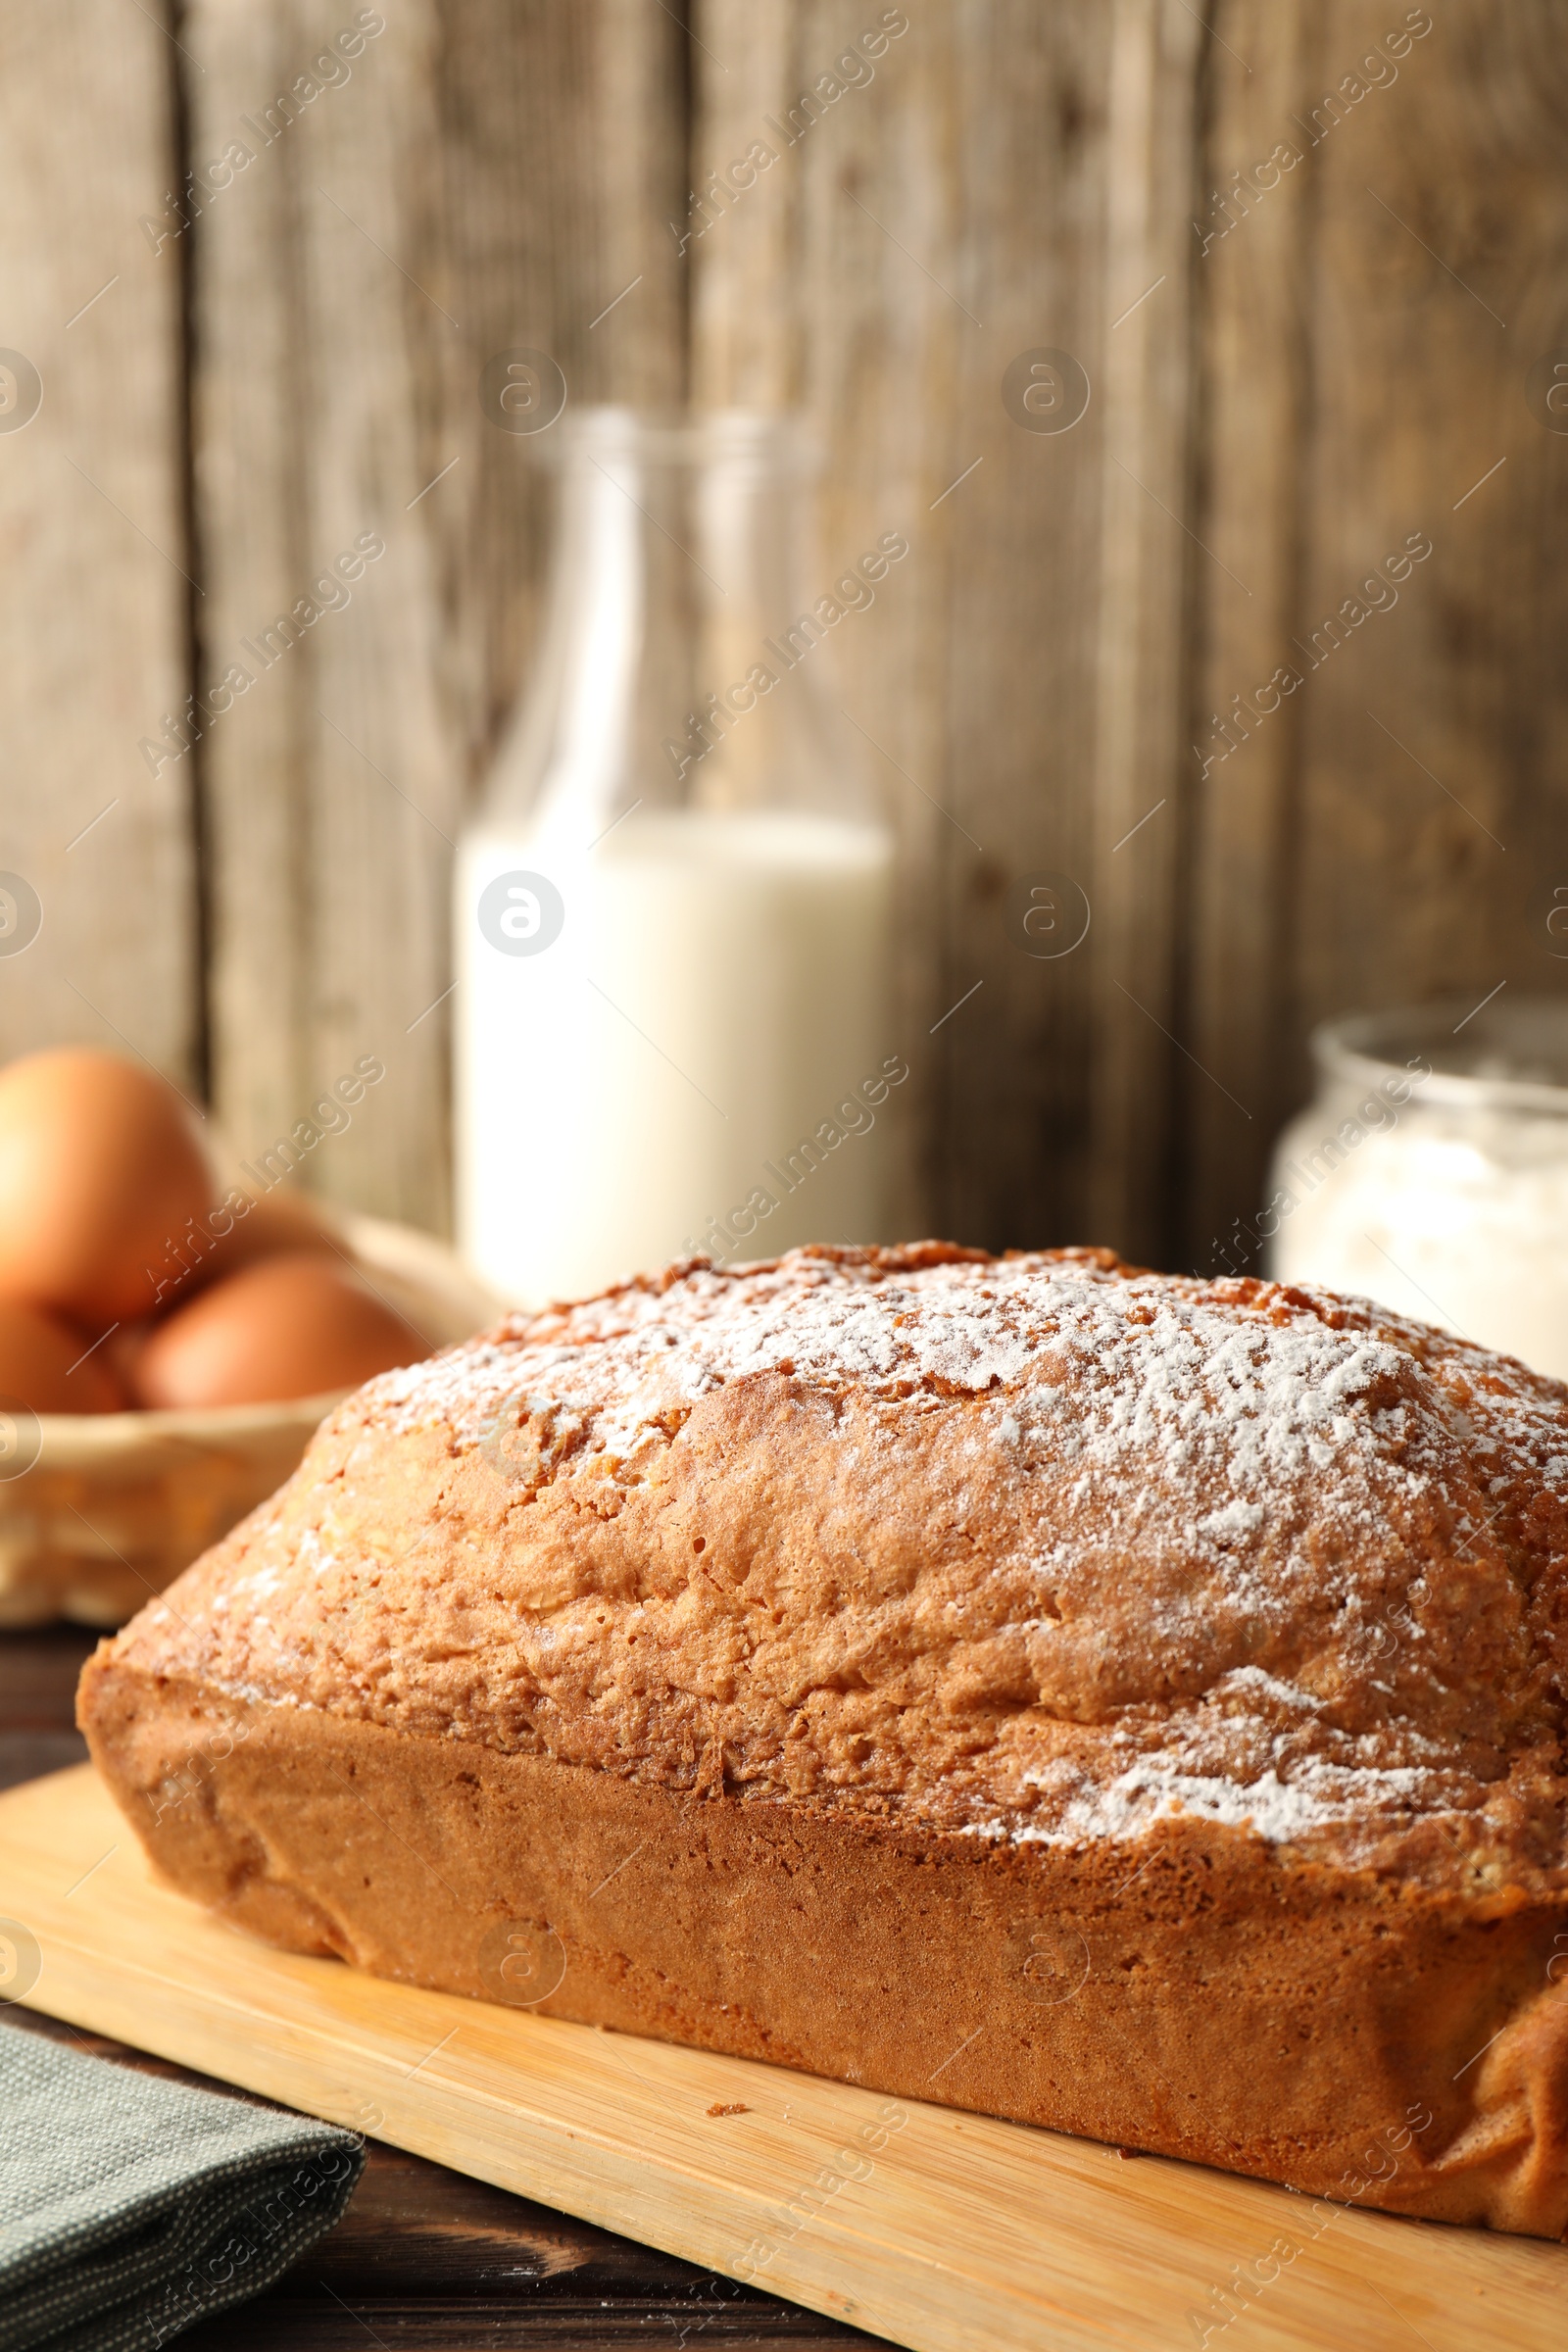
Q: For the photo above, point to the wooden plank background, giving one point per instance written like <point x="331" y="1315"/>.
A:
<point x="1368" y="332"/>
<point x="1307" y="258"/>
<point x="94" y="601"/>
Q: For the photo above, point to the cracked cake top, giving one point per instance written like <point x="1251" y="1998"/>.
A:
<point x="1038" y="1547"/>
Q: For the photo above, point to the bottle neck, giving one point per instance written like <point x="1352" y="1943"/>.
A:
<point x="679" y="665"/>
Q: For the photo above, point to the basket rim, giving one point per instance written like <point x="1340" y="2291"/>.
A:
<point x="117" y="1429"/>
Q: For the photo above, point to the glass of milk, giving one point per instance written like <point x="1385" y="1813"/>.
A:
<point x="1431" y="1172"/>
<point x="674" y="906"/>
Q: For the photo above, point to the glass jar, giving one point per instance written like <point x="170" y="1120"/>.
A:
<point x="1431" y="1172"/>
<point x="674" y="906"/>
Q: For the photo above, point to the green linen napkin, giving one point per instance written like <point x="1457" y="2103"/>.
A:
<point x="130" y="2207"/>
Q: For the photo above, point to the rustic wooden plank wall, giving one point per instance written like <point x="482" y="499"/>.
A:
<point x="1372" y="327"/>
<point x="93" y="591"/>
<point x="331" y="790"/>
<point x="1306" y="259"/>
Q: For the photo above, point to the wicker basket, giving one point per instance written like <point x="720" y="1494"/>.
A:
<point x="115" y="1505"/>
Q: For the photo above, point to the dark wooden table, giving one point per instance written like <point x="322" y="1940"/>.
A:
<point x="425" y="2260"/>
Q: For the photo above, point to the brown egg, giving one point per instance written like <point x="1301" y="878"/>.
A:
<point x="45" y="1363"/>
<point x="100" y="1166"/>
<point x="289" y="1326"/>
<point x="239" y="1231"/>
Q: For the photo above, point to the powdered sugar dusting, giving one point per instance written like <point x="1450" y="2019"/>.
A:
<point x="1088" y="1366"/>
<point x="1284" y="1812"/>
<point x="1052" y="1549"/>
<point x="1165" y="1372"/>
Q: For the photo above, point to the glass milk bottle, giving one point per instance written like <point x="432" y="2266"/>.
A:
<point x="674" y="907"/>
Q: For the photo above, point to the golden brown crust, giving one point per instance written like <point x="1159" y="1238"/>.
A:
<point x="1185" y="1996"/>
<point x="1011" y="1579"/>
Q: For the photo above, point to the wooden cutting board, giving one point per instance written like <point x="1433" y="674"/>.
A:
<point x="935" y="2229"/>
